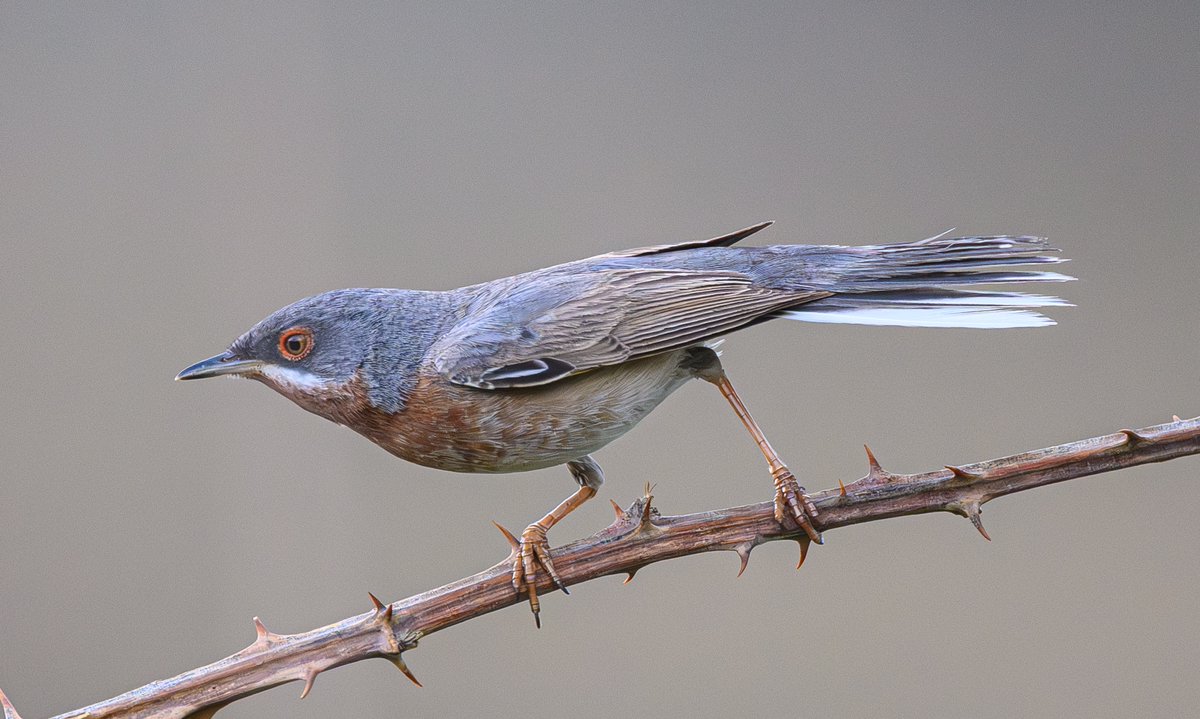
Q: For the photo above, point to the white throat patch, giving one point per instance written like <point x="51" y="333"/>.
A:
<point x="295" y="378"/>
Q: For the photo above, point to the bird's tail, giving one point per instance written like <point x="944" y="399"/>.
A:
<point x="914" y="284"/>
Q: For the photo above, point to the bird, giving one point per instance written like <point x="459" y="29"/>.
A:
<point x="545" y="368"/>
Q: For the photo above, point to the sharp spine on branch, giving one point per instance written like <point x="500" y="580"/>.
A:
<point x="804" y="543"/>
<point x="396" y="660"/>
<point x="743" y="552"/>
<point x="1133" y="437"/>
<point x="309" y="678"/>
<point x="381" y="610"/>
<point x="512" y="541"/>
<point x="961" y="473"/>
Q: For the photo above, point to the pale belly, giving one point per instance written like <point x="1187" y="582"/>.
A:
<point x="462" y="429"/>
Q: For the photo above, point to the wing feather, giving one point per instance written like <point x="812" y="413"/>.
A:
<point x="722" y="241"/>
<point x="540" y="329"/>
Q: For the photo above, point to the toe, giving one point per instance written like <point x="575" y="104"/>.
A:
<point x="518" y="573"/>
<point x="528" y="565"/>
<point x="543" y="558"/>
<point x="790" y="499"/>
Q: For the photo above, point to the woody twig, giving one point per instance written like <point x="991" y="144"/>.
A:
<point x="639" y="536"/>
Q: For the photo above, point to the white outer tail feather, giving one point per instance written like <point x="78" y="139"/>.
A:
<point x="961" y="309"/>
<point x="961" y="317"/>
<point x="916" y="284"/>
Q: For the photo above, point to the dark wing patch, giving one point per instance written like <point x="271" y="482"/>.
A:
<point x="521" y="374"/>
<point x="722" y="241"/>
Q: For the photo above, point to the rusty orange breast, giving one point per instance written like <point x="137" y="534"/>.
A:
<point x="464" y="429"/>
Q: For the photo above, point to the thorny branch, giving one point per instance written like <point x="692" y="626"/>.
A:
<point x="638" y="537"/>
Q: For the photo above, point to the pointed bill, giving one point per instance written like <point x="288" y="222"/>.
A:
<point x="223" y="364"/>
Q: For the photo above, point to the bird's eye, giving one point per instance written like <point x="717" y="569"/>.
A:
<point x="296" y="343"/>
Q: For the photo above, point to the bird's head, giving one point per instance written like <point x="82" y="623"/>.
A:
<point x="308" y="351"/>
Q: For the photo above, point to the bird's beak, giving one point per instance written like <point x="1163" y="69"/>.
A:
<point x="223" y="364"/>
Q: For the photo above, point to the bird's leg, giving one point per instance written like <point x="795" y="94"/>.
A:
<point x="790" y="499"/>
<point x="535" y="549"/>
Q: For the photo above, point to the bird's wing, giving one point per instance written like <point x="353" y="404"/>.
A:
<point x="722" y="241"/>
<point x="553" y="325"/>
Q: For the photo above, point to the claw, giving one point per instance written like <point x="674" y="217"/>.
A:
<point x="543" y="557"/>
<point x="535" y="606"/>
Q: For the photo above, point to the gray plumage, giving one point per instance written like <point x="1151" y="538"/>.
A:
<point x="612" y="308"/>
<point x="539" y="327"/>
<point x="543" y="368"/>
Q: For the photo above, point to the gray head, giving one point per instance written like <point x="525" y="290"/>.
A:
<point x="313" y="350"/>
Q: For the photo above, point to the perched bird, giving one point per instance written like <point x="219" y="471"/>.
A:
<point x="546" y="367"/>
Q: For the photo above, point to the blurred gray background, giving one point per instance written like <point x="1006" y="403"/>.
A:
<point x="171" y="173"/>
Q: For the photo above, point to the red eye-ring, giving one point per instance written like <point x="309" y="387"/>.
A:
<point x="296" y="343"/>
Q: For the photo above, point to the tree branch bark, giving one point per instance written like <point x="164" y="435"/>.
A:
<point x="638" y="537"/>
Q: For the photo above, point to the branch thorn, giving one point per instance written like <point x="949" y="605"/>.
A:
<point x="512" y="541"/>
<point x="841" y="488"/>
<point x="263" y="635"/>
<point x="960" y="473"/>
<point x="399" y="662"/>
<point x="648" y="497"/>
<point x="743" y="552"/>
<point x="381" y="609"/>
<point x="1133" y="437"/>
<point x="10" y="712"/>
<point x="617" y="510"/>
<point x="973" y="512"/>
<point x="876" y="468"/>
<point x="1175" y="418"/>
<point x="309" y="678"/>
<point x="631" y="572"/>
<point x="969" y="508"/>
<point x="804" y="542"/>
<point x="646" y="512"/>
<point x="876" y="473"/>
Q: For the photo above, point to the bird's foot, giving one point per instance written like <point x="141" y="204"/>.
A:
<point x="534" y="551"/>
<point x="791" y="503"/>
